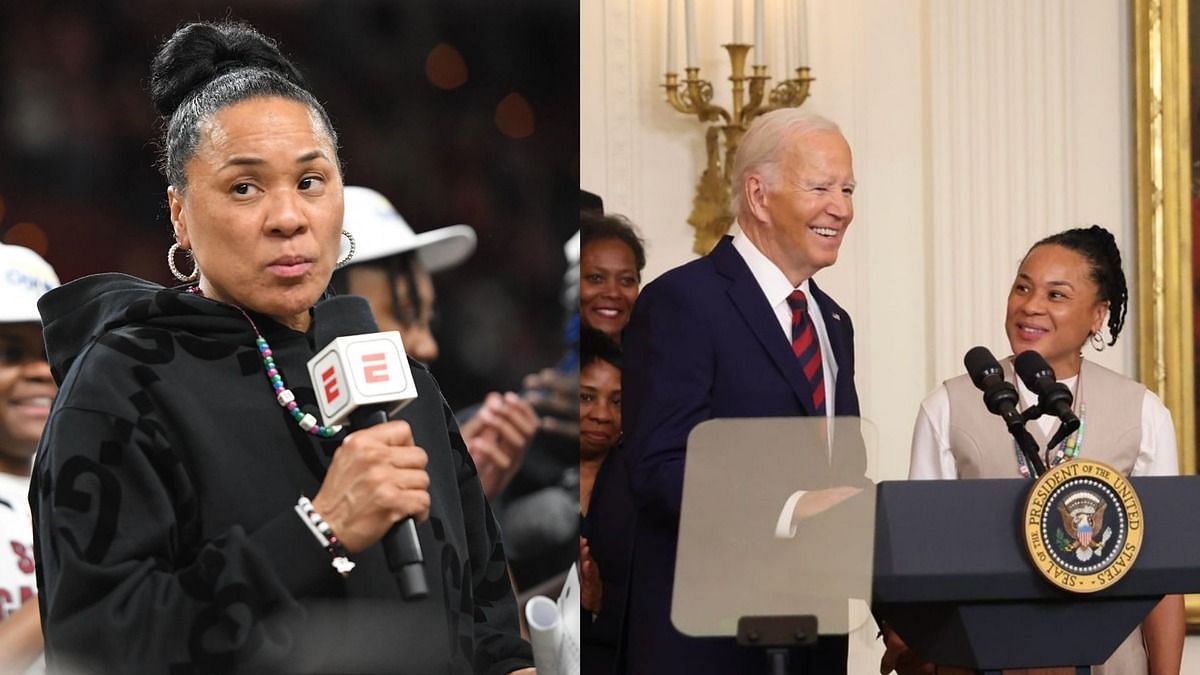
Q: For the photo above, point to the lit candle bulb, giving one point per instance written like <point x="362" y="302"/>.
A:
<point x="802" y="35"/>
<point x="789" y="18"/>
<point x="670" y="37"/>
<point x="760" y="44"/>
<point x="737" y="21"/>
<point x="690" y="31"/>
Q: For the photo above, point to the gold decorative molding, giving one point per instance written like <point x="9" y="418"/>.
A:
<point x="1164" y="275"/>
<point x="1164" y="236"/>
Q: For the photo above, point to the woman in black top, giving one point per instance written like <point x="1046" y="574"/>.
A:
<point x="172" y="491"/>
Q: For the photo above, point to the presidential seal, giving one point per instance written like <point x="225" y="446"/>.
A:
<point x="1083" y="525"/>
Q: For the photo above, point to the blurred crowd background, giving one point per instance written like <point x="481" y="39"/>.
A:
<point x="459" y="111"/>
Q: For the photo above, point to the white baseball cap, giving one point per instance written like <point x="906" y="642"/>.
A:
<point x="379" y="231"/>
<point x="24" y="277"/>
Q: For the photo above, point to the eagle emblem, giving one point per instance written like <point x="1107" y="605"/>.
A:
<point x="1083" y="531"/>
<point x="1083" y="525"/>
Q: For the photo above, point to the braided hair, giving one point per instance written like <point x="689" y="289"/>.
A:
<point x="398" y="266"/>
<point x="206" y="67"/>
<point x="1099" y="247"/>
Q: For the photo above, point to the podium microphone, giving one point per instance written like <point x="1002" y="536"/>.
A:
<point x="1000" y="397"/>
<point x="361" y="376"/>
<point x="1053" y="396"/>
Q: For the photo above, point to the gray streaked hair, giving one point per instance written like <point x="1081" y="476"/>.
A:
<point x="762" y="147"/>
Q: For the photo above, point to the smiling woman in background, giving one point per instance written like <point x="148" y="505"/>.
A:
<point x="602" y="574"/>
<point x="26" y="392"/>
<point x="193" y="514"/>
<point x="611" y="260"/>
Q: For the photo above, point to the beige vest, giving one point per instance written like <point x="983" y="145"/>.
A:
<point x="983" y="448"/>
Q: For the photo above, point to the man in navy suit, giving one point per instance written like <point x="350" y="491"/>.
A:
<point x="742" y="332"/>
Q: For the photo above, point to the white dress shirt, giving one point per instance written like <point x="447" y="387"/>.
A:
<point x="864" y="650"/>
<point x="776" y="288"/>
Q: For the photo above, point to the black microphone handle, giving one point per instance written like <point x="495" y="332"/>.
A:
<point x="1029" y="448"/>
<point x="401" y="546"/>
<point x="1068" y="427"/>
<point x="1015" y="421"/>
<point x="1057" y="404"/>
<point x="1001" y="399"/>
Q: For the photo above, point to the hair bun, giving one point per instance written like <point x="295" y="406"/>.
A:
<point x="1102" y="232"/>
<point x="199" y="52"/>
<point x="1108" y="244"/>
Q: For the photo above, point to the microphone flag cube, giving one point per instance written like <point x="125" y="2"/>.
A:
<point x="357" y="370"/>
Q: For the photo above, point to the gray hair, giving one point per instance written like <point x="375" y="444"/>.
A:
<point x="763" y="144"/>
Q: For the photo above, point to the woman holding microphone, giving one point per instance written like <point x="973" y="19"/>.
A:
<point x="192" y="513"/>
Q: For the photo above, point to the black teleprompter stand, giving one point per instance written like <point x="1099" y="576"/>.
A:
<point x="778" y="635"/>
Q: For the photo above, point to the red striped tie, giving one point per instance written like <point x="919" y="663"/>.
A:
<point x="807" y="348"/>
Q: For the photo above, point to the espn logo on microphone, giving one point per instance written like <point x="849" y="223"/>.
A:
<point x="359" y="370"/>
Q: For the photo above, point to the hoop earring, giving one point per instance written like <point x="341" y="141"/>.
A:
<point x="175" y="270"/>
<point x="349" y="255"/>
<point x="1097" y="341"/>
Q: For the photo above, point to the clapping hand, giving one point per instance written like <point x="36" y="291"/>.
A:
<point x="497" y="437"/>
<point x="555" y="396"/>
<point x="591" y="591"/>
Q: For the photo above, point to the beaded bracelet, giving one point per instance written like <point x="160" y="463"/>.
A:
<point x="325" y="536"/>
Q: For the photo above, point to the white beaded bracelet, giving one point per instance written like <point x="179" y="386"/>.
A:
<point x="324" y="536"/>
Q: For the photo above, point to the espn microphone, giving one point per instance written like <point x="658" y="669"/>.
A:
<point x="362" y="376"/>
<point x="1053" y="396"/>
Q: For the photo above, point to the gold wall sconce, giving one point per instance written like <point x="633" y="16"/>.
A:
<point x="711" y="215"/>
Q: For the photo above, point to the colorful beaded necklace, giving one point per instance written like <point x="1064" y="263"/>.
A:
<point x="283" y="395"/>
<point x="1070" y="446"/>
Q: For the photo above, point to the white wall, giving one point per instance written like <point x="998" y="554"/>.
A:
<point x="1191" y="654"/>
<point x="977" y="129"/>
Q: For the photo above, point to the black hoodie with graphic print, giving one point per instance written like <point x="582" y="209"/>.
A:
<point x="163" y="498"/>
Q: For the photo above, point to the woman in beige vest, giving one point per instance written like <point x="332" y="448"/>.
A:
<point x="1065" y="287"/>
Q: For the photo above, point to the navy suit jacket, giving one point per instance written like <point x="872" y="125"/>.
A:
<point x="702" y="343"/>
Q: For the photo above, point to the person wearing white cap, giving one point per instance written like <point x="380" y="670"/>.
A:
<point x="26" y="393"/>
<point x="392" y="268"/>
